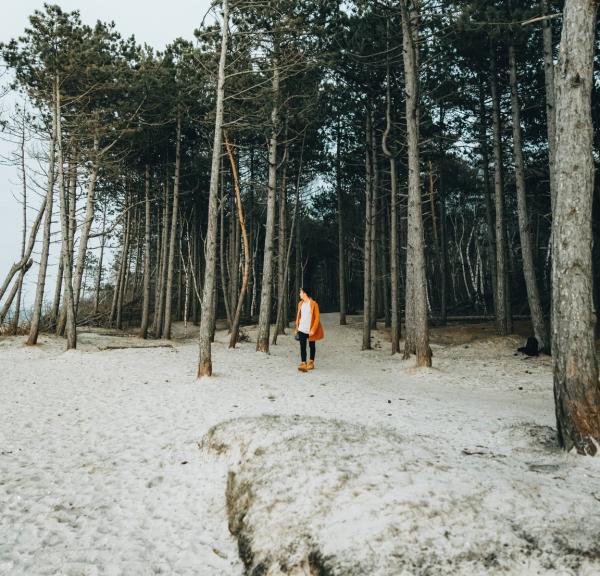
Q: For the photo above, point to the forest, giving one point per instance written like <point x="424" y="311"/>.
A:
<point x="400" y="158"/>
<point x="425" y="171"/>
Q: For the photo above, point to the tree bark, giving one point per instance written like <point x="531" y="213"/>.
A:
<point x="550" y="99"/>
<point x="85" y="230"/>
<point x="416" y="248"/>
<point x="576" y="388"/>
<point x="208" y="292"/>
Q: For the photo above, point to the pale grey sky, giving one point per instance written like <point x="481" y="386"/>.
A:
<point x="154" y="22"/>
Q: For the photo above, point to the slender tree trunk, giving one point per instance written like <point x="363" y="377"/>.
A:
<point x="100" y="262"/>
<point x="489" y="207"/>
<point x="281" y="252"/>
<point x="235" y="327"/>
<point x="533" y="296"/>
<point x="175" y="212"/>
<point x="576" y="388"/>
<point x="41" y="283"/>
<point x="69" y="301"/>
<point x="416" y="247"/>
<point x="17" y="313"/>
<point x="71" y="203"/>
<point x="374" y="229"/>
<point x="503" y="320"/>
<point x="164" y="258"/>
<point x="262" y="340"/>
<point x="208" y="292"/>
<point x="368" y="252"/>
<point x="124" y="272"/>
<point x="226" y="294"/>
<point x="147" y="257"/>
<point x="340" y="223"/>
<point x="85" y="232"/>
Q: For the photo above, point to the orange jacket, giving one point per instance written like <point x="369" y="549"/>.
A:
<point x="316" y="328"/>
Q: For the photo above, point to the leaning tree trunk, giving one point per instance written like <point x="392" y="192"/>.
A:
<point x="576" y="388"/>
<point x="208" y="291"/>
<point x="503" y="320"/>
<point x="166" y="332"/>
<point x="264" y="318"/>
<point x="533" y="295"/>
<point x="147" y="257"/>
<point x="235" y="325"/>
<point x="416" y="246"/>
<point x="41" y="283"/>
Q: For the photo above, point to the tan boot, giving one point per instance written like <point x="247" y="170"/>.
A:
<point x="311" y="365"/>
<point x="303" y="367"/>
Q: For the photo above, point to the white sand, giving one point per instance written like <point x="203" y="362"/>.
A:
<point x="93" y="445"/>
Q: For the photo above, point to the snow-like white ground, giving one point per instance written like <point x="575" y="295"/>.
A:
<point x="101" y="471"/>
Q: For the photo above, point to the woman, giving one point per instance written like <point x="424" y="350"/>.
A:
<point x="308" y="328"/>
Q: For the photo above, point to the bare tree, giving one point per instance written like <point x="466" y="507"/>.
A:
<point x="208" y="292"/>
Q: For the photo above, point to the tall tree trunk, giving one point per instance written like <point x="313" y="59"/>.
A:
<point x="340" y="222"/>
<point x="147" y="257"/>
<point x="281" y="251"/>
<point x="443" y="227"/>
<point x="41" y="282"/>
<point x="533" y="296"/>
<point x="175" y="213"/>
<point x="368" y="251"/>
<point x="576" y="388"/>
<point x="503" y="320"/>
<point x="374" y="231"/>
<point x="159" y="313"/>
<point x="208" y="292"/>
<point x="17" y="313"/>
<point x="416" y="248"/>
<point x="264" y="318"/>
<point x="489" y="207"/>
<point x="69" y="301"/>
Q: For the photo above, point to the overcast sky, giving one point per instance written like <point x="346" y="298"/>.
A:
<point x="153" y="22"/>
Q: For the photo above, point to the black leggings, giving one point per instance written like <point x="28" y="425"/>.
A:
<point x="312" y="345"/>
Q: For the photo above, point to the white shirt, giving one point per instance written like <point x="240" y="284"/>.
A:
<point x="305" y="318"/>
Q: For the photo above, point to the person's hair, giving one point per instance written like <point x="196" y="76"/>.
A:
<point x="305" y="290"/>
